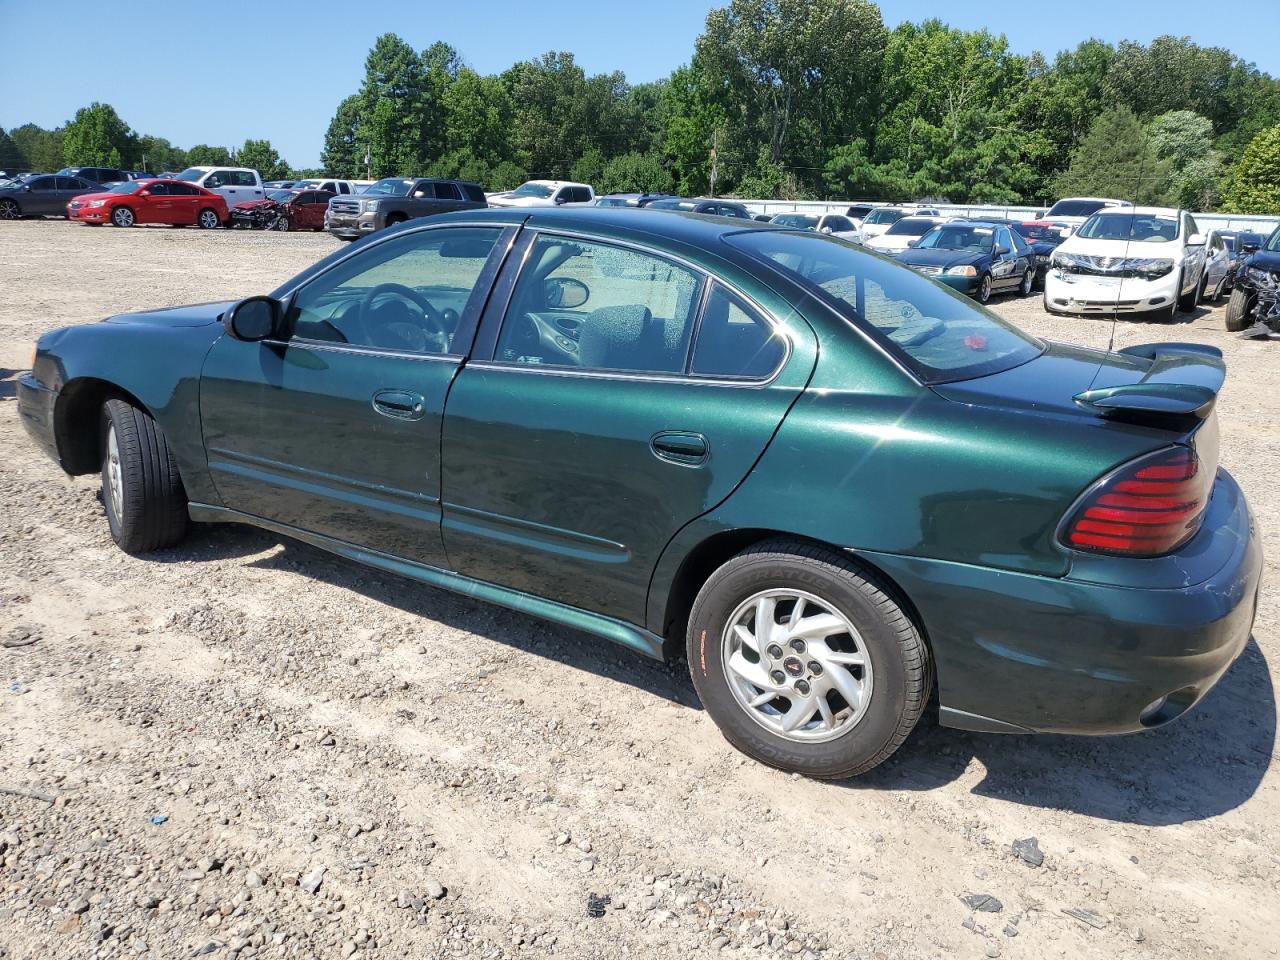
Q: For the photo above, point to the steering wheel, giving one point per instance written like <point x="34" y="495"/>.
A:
<point x="403" y="330"/>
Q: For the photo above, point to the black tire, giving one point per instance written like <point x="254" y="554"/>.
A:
<point x="122" y="217"/>
<point x="1028" y="283"/>
<point x="1238" y="309"/>
<point x="983" y="293"/>
<point x="1165" y="314"/>
<point x="903" y="673"/>
<point x="152" y="513"/>
<point x="1187" y="301"/>
<point x="9" y="209"/>
<point x="208" y="219"/>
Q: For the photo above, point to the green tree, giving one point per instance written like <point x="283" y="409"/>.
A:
<point x="1173" y="74"/>
<point x="94" y="134"/>
<point x="792" y="77"/>
<point x="12" y="159"/>
<point x="203" y="155"/>
<point x="156" y="154"/>
<point x="343" y="155"/>
<point x="1254" y="185"/>
<point x="549" y="126"/>
<point x="1185" y="139"/>
<point x="690" y="119"/>
<point x="392" y="108"/>
<point x="42" y="148"/>
<point x="478" y="116"/>
<point x="260" y="155"/>
<point x="635" y="172"/>
<point x="1116" y="159"/>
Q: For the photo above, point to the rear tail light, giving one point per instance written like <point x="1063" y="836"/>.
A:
<point x="1145" y="508"/>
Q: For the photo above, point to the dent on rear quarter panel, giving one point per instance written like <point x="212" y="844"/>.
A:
<point x="158" y="365"/>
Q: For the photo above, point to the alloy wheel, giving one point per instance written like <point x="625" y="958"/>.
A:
<point x="9" y="210"/>
<point x="797" y="666"/>
<point x="122" y="217"/>
<point x="984" y="288"/>
<point x="281" y="224"/>
<point x="1028" y="281"/>
<point x="208" y="219"/>
<point x="115" y="479"/>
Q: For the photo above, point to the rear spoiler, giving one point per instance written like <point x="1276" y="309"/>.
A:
<point x="1181" y="384"/>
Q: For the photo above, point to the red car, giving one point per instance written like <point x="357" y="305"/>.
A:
<point x="284" y="210"/>
<point x="173" y="202"/>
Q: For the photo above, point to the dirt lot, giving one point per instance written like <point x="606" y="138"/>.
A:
<point x="466" y="778"/>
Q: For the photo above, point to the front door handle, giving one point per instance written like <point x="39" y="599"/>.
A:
<point x="400" y="404"/>
<point x="679" y="446"/>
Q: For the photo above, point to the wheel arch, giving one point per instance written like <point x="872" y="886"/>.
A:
<point x="713" y="551"/>
<point x="75" y="421"/>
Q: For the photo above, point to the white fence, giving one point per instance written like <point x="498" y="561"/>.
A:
<point x="1207" y="221"/>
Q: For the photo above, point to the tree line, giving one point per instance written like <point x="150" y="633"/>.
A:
<point x="796" y="99"/>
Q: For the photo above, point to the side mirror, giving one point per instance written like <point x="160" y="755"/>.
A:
<point x="1001" y="251"/>
<point x="826" y="230"/>
<point x="253" y="320"/>
<point x="913" y="243"/>
<point x="1195" y="240"/>
<point x="1248" y="248"/>
<point x="561" y="198"/>
<point x="144" y="193"/>
<point x="565" y="293"/>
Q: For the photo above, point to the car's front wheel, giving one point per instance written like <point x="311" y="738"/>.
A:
<point x="805" y="662"/>
<point x="1187" y="301"/>
<point x="282" y="224"/>
<point x="141" y="489"/>
<point x="122" y="217"/>
<point x="1238" y="308"/>
<point x="983" y="293"/>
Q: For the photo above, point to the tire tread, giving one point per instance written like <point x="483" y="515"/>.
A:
<point x="156" y="515"/>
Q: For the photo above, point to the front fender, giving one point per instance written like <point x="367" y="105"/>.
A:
<point x="158" y="366"/>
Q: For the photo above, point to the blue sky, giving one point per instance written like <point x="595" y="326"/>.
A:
<point x="278" y="70"/>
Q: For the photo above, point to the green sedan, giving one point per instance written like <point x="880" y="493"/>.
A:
<point x="841" y="490"/>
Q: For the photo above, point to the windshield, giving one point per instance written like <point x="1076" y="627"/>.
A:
<point x="1075" y="208"/>
<point x="391" y="187"/>
<point x="191" y="174"/>
<point x="939" y="333"/>
<point x="910" y="228"/>
<point x="539" y="190"/>
<point x="1273" y="243"/>
<point x="885" y="215"/>
<point x="280" y="196"/>
<point x="958" y="237"/>
<point x="129" y="186"/>
<point x="1142" y="227"/>
<point x="801" y="220"/>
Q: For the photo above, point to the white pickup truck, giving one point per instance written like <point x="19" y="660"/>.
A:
<point x="327" y="183"/>
<point x="236" y="184"/>
<point x="545" y="193"/>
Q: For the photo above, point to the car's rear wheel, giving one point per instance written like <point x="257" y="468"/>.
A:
<point x="1028" y="282"/>
<point x="983" y="294"/>
<point x="141" y="489"/>
<point x="208" y="219"/>
<point x="1238" y="309"/>
<point x="9" y="210"/>
<point x="122" y="217"/>
<point x="805" y="662"/>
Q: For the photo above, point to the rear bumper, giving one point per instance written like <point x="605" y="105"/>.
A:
<point x="1073" y="655"/>
<point x="36" y="404"/>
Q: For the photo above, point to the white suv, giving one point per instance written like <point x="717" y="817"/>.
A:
<point x="1128" y="260"/>
<point x="545" y="193"/>
<point x="236" y="184"/>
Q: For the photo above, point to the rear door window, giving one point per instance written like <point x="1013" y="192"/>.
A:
<point x="734" y="340"/>
<point x="446" y="191"/>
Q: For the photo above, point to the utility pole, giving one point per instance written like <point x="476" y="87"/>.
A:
<point x="715" y="143"/>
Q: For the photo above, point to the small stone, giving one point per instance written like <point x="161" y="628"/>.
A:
<point x="1137" y="934"/>
<point x="561" y="839"/>
<point x="993" y="950"/>
<point x="584" y="846"/>
<point x="191" y="874"/>
<point x="1028" y="851"/>
<point x="982" y="902"/>
<point x="253" y="879"/>
<point x="348" y="948"/>
<point x="434" y="889"/>
<point x="1010" y="930"/>
<point x="1085" y="915"/>
<point x="78" y="905"/>
<point x="311" y="882"/>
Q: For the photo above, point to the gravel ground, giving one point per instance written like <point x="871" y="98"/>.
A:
<point x="245" y="747"/>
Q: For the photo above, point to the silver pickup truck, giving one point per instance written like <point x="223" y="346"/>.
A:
<point x="395" y="199"/>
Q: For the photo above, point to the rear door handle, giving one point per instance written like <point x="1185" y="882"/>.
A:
<point x="400" y="404"/>
<point x="679" y="446"/>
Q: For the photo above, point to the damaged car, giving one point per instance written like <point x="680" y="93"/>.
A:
<point x="1255" y="299"/>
